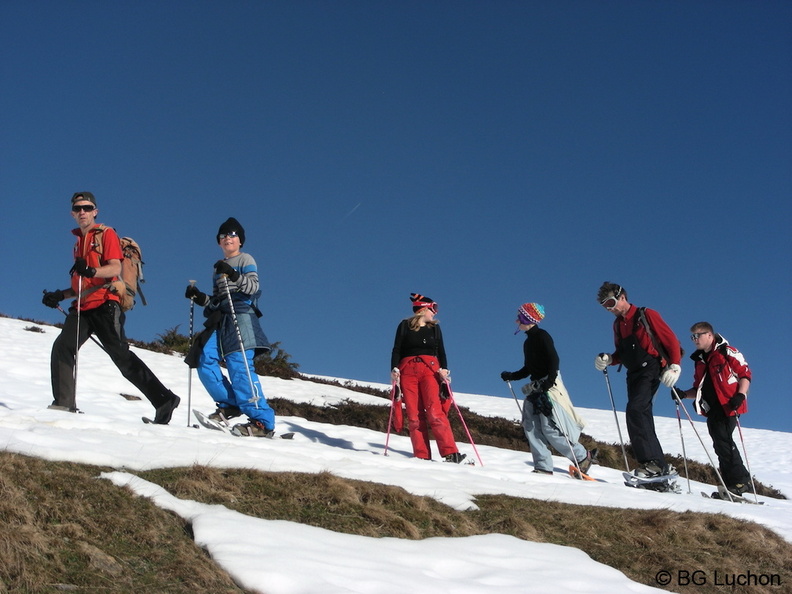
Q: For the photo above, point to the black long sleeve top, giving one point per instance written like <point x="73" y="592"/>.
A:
<point x="541" y="357"/>
<point x="427" y="340"/>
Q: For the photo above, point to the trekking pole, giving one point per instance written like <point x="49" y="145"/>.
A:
<point x="564" y="433"/>
<point x="748" y="464"/>
<point x="255" y="396"/>
<point x="394" y="390"/>
<point x="515" y="398"/>
<point x="701" y="441"/>
<point x="77" y="338"/>
<point x="451" y="396"/>
<point x="189" y="369"/>
<point x="616" y="418"/>
<point x="682" y="437"/>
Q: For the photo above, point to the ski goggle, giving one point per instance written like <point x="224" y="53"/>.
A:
<point x="229" y="234"/>
<point x="83" y="208"/>
<point x="430" y="306"/>
<point x="610" y="302"/>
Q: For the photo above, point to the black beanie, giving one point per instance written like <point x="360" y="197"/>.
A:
<point x="232" y="224"/>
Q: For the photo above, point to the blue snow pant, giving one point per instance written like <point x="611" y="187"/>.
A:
<point x="543" y="433"/>
<point x="237" y="391"/>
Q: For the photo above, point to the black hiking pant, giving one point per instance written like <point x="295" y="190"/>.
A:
<point x="107" y="323"/>
<point x="642" y="384"/>
<point x="721" y="429"/>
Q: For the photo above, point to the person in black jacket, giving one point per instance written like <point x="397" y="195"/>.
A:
<point x="418" y="365"/>
<point x="549" y="420"/>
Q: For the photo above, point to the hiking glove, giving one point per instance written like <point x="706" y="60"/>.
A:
<point x="81" y="267"/>
<point x="193" y="293"/>
<point x="670" y="376"/>
<point x="507" y="376"/>
<point x="736" y="400"/>
<point x="677" y="394"/>
<point x="223" y="267"/>
<point x="52" y="298"/>
<point x="601" y="361"/>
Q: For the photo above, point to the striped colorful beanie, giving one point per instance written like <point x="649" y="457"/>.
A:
<point x="531" y="313"/>
<point x="420" y="301"/>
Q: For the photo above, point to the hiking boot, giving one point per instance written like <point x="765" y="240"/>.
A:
<point x="586" y="463"/>
<point x="252" y="429"/>
<point x="540" y="471"/>
<point x="222" y="415"/>
<point x="456" y="457"/>
<point x="740" y="488"/>
<point x="71" y="409"/>
<point x="165" y="411"/>
<point x="653" y="468"/>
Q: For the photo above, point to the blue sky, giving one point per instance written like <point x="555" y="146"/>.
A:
<point x="482" y="153"/>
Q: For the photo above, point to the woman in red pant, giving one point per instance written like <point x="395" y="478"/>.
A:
<point x="418" y="364"/>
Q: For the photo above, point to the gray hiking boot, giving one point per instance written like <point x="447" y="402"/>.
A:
<point x="650" y="469"/>
<point x="456" y="457"/>
<point x="72" y="409"/>
<point x="221" y="415"/>
<point x="585" y="463"/>
<point x="252" y="429"/>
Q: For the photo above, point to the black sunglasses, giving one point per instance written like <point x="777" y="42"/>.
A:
<point x="83" y="207"/>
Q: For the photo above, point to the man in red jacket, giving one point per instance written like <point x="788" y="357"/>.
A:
<point x="96" y="310"/>
<point x="720" y="386"/>
<point x="650" y="351"/>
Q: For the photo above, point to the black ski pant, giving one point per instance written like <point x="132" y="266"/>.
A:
<point x="642" y="384"/>
<point x="721" y="429"/>
<point x="107" y="323"/>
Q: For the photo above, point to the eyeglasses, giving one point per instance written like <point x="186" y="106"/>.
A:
<point x="83" y="207"/>
<point x="697" y="335"/>
<point x="230" y="234"/>
<point x="610" y="302"/>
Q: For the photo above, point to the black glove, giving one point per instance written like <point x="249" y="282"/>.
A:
<point x="223" y="267"/>
<point x="507" y="376"/>
<point x="546" y="384"/>
<point x="52" y="298"/>
<point x="81" y="267"/>
<point x="677" y="394"/>
<point x="193" y="293"/>
<point x="736" y="400"/>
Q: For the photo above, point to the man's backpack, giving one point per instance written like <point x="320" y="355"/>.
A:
<point x="127" y="286"/>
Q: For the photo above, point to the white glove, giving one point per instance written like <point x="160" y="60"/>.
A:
<point x="670" y="375"/>
<point x="602" y="361"/>
<point x="531" y="387"/>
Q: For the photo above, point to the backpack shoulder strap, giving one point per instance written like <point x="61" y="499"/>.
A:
<point x="658" y="347"/>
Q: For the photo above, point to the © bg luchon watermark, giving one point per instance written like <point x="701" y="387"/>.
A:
<point x="698" y="577"/>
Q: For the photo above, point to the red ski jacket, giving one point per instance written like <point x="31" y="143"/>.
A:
<point x="726" y="366"/>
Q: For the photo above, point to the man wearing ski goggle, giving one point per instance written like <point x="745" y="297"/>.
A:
<point x="612" y="301"/>
<point x="650" y="351"/>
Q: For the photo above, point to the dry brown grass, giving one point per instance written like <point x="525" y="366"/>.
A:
<point x="59" y="525"/>
<point x="61" y="528"/>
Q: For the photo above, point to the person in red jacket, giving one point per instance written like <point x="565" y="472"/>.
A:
<point x="96" y="310"/>
<point x="652" y="356"/>
<point x="720" y="385"/>
<point x="418" y="365"/>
